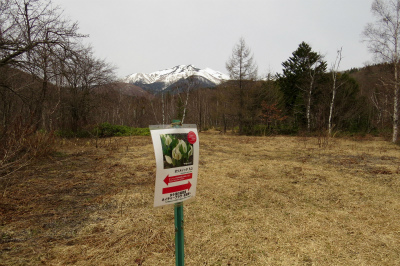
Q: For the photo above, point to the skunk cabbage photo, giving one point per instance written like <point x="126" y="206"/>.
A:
<point x="176" y="150"/>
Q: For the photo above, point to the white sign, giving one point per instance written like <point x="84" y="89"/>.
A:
<point x="177" y="159"/>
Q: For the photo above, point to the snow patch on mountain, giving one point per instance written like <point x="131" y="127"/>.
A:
<point x="172" y="75"/>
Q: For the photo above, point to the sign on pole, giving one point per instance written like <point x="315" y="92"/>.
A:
<point x="177" y="159"/>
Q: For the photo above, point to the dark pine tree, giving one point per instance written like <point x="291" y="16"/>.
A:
<point x="300" y="76"/>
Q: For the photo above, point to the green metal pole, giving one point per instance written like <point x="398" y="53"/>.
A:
<point x="179" y="238"/>
<point x="178" y="212"/>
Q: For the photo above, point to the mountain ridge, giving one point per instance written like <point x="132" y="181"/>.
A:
<point x="172" y="77"/>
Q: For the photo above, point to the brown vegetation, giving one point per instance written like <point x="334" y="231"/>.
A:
<point x="260" y="201"/>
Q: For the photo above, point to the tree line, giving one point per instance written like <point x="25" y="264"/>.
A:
<point x="51" y="82"/>
<point x="47" y="79"/>
<point x="307" y="97"/>
<point x="46" y="74"/>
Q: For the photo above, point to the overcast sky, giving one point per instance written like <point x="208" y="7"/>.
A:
<point x="151" y="35"/>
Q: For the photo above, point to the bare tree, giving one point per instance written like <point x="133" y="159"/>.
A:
<point x="32" y="34"/>
<point x="83" y="73"/>
<point x="382" y="38"/>
<point x="27" y="24"/>
<point x="241" y="68"/>
<point x="334" y="70"/>
<point x="191" y="83"/>
<point x="313" y="72"/>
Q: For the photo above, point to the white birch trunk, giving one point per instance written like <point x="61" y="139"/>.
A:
<point x="396" y="83"/>
<point x="309" y="107"/>
<point x="189" y="86"/>
<point x="335" y="69"/>
<point x="185" y="106"/>
<point x="163" y="108"/>
<point x="331" y="108"/>
<point x="395" y="106"/>
<point x="312" y="76"/>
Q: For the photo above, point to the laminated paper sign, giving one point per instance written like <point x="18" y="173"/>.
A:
<point x="177" y="159"/>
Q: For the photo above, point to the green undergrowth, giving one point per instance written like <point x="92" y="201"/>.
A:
<point x="105" y="130"/>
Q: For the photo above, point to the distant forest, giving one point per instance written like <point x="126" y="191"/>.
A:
<point x="74" y="103"/>
<point x="362" y="106"/>
<point x="50" y="82"/>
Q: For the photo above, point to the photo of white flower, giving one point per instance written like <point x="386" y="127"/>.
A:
<point x="177" y="151"/>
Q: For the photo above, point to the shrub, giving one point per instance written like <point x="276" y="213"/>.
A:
<point x="141" y="131"/>
<point x="71" y="134"/>
<point x="105" y="130"/>
<point x="20" y="145"/>
<point x="109" y="130"/>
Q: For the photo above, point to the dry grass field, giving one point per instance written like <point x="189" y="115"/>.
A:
<point x="260" y="201"/>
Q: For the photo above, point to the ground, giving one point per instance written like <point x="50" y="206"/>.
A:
<point x="259" y="201"/>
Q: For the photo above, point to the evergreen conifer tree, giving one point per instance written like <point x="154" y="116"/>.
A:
<point x="298" y="80"/>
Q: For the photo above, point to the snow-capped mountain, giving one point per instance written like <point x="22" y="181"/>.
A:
<point x="165" y="79"/>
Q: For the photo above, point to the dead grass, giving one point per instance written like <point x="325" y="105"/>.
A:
<point x="260" y="201"/>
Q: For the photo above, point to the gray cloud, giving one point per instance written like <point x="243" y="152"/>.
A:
<point x="150" y="35"/>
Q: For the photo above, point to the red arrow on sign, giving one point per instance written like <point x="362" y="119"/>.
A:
<point x="176" y="188"/>
<point x="171" y="179"/>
